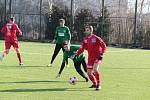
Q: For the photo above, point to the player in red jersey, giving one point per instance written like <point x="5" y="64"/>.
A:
<point x="96" y="48"/>
<point x="9" y="31"/>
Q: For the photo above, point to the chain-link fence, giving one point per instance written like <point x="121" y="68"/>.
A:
<point x="30" y="15"/>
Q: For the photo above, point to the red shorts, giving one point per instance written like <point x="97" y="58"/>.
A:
<point x="91" y="63"/>
<point x="8" y="44"/>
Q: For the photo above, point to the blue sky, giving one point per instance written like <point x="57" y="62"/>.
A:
<point x="146" y="7"/>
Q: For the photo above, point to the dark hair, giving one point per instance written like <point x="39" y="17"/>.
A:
<point x="90" y="27"/>
<point x="12" y="19"/>
<point x="61" y="20"/>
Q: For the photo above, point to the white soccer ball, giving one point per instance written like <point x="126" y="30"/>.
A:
<point x="73" y="80"/>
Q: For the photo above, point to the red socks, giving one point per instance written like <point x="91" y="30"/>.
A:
<point x="93" y="79"/>
<point x="19" y="57"/>
<point x="97" y="76"/>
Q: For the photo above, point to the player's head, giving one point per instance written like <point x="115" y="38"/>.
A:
<point x="62" y="22"/>
<point x="66" y="46"/>
<point x="12" y="19"/>
<point x="88" y="30"/>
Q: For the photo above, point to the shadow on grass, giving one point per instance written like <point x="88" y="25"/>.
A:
<point x="22" y="82"/>
<point x="34" y="82"/>
<point x="24" y="66"/>
<point x="126" y="68"/>
<point x="47" y="90"/>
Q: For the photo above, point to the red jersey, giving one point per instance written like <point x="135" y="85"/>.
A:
<point x="94" y="45"/>
<point x="9" y="30"/>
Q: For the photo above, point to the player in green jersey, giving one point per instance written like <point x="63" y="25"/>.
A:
<point x="70" y="52"/>
<point x="62" y="34"/>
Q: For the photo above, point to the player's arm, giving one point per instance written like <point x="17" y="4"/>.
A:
<point x="18" y="30"/>
<point x="56" y="35"/>
<point x="82" y="48"/>
<point x="68" y="35"/>
<point x="102" y="44"/>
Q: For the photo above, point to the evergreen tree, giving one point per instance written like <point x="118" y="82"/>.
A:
<point x="82" y="18"/>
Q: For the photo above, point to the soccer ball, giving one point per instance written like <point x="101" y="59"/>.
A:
<point x="73" y="80"/>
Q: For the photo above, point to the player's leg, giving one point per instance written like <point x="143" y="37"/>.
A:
<point x="77" y="66"/>
<point x="66" y="59"/>
<point x="84" y="65"/>
<point x="91" y="77"/>
<point x="19" y="56"/>
<point x="6" y="51"/>
<point x="56" y="51"/>
<point x="3" y="54"/>
<point x="97" y="75"/>
<point x="16" y="47"/>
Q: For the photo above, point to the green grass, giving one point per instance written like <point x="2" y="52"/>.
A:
<point x="125" y="75"/>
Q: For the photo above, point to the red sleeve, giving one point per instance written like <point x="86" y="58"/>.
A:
<point x="18" y="29"/>
<point x="102" y="44"/>
<point x="3" y="30"/>
<point x="82" y="48"/>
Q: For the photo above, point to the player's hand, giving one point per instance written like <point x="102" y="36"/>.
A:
<point x="54" y="41"/>
<point x="58" y="75"/>
<point x="20" y="35"/>
<point x="100" y="56"/>
<point x="75" y="56"/>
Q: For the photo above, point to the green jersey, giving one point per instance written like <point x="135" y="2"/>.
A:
<point x="71" y="54"/>
<point x="62" y="34"/>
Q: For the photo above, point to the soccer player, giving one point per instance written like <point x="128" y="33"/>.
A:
<point x="9" y="31"/>
<point x="96" y="48"/>
<point x="70" y="52"/>
<point x="62" y="34"/>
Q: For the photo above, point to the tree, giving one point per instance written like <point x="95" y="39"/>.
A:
<point x="53" y="19"/>
<point x="82" y="18"/>
<point x="104" y="30"/>
<point x="2" y="11"/>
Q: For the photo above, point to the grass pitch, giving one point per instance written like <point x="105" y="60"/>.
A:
<point x="125" y="76"/>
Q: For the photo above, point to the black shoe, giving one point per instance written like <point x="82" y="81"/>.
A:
<point x="98" y="88"/>
<point x="93" y="86"/>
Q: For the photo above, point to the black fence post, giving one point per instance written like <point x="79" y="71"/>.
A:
<point x="135" y="25"/>
<point x="40" y="20"/>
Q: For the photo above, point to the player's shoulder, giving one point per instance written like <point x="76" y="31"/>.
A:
<point x="57" y="27"/>
<point x="66" y="27"/>
<point x="95" y="36"/>
<point x="14" y="24"/>
<point x="8" y="24"/>
<point x="85" y="39"/>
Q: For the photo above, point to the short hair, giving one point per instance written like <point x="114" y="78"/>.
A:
<point x="61" y="20"/>
<point x="90" y="27"/>
<point x="12" y="18"/>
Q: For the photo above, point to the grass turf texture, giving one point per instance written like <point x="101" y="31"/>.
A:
<point x="125" y="76"/>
